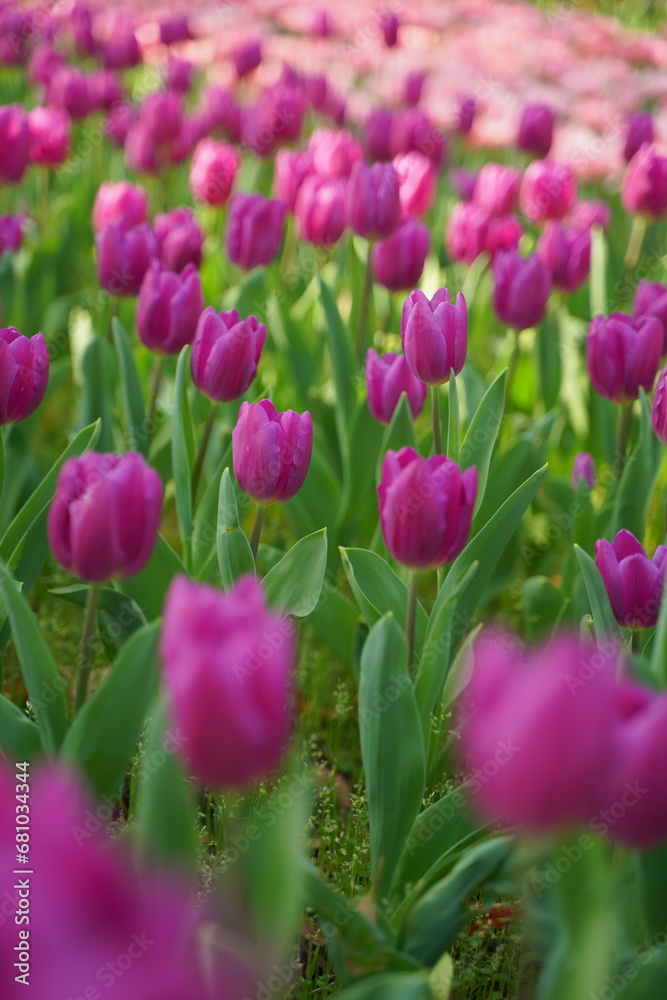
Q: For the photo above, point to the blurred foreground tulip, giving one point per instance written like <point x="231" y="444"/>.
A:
<point x="497" y="188"/>
<point x="567" y="254"/>
<point x="583" y="469"/>
<point x="50" y="136"/>
<point x="418" y="181"/>
<point x="372" y="205"/>
<point x="24" y="374"/>
<point x="14" y="143"/>
<point x="548" y="190"/>
<point x="651" y="300"/>
<point x="639" y="131"/>
<point x="320" y="210"/>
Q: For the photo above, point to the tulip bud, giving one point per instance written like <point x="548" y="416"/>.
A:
<point x="644" y="189"/>
<point x="225" y="354"/>
<point x="418" y="180"/>
<point x="24" y="374"/>
<point x="290" y="171"/>
<point x="104" y="519"/>
<point x="389" y="24"/>
<point x="276" y="118"/>
<point x="228" y="669"/>
<point x="548" y="190"/>
<point x="497" y="188"/>
<point x="179" y="239"/>
<point x="44" y="61"/>
<point x="321" y="23"/>
<point x="434" y="335"/>
<point x="387" y="377"/>
<point x="271" y="451"/>
<point x="175" y="30"/>
<point x="120" y="202"/>
<point x="412" y="88"/>
<point x="623" y="355"/>
<point x="50" y="135"/>
<point x="521" y="289"/>
<point x="398" y="261"/>
<point x="583" y="468"/>
<point x="247" y="58"/>
<point x="426" y="508"/>
<point x="69" y="89"/>
<point x="536" y="129"/>
<point x="372" y="204"/>
<point x="634" y="583"/>
<point x="567" y="254"/>
<point x="11" y="234"/>
<point x="168" y="308"/>
<point x="123" y="255"/>
<point x="651" y="300"/>
<point x="466" y="115"/>
<point x="639" y="131"/>
<point x="467" y="230"/>
<point x="254" y="230"/>
<point x="214" y="168"/>
<point x="14" y="143"/>
<point x="334" y="152"/>
<point x="320" y="210"/>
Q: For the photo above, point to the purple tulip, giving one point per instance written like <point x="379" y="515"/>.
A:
<point x="179" y="74"/>
<point x="225" y="354"/>
<point x="659" y="407"/>
<point x="497" y="188"/>
<point x="548" y="190"/>
<point x="175" y="30"/>
<point x="464" y="183"/>
<point x="414" y="130"/>
<point x="11" y="233"/>
<point x="651" y="300"/>
<point x="316" y="89"/>
<point x="466" y="112"/>
<point x="121" y="49"/>
<point x="14" y="143"/>
<point x="213" y="171"/>
<point x="389" y="24"/>
<point x="321" y="23"/>
<point x="567" y="254"/>
<point x="81" y="23"/>
<point x="118" y="122"/>
<point x="434" y="335"/>
<point x="123" y="255"/>
<point x="418" y="180"/>
<point x="104" y="519"/>
<point x="639" y="131"/>
<point x="271" y="451"/>
<point x="254" y="230"/>
<point x="105" y="90"/>
<point x="377" y="127"/>
<point x="503" y="233"/>
<point x="290" y="171"/>
<point x="536" y="129"/>
<point x="179" y="239"/>
<point x="387" y="377"/>
<point x="44" y="61"/>
<point x="583" y="468"/>
<point x="644" y="189"/>
<point x="222" y="112"/>
<point x="229" y="671"/>
<point x="247" y="58"/>
<point x="168" y="308"/>
<point x="372" y="205"/>
<point x="522" y="286"/>
<point x="334" y="151"/>
<point x="119" y="201"/>
<point x="535" y="759"/>
<point x="398" y="261"/>
<point x="585" y="214"/>
<point x="70" y="89"/>
<point x="466" y="235"/>
<point x="623" y="355"/>
<point x="320" y="210"/>
<point x="634" y="583"/>
<point x="141" y="152"/>
<point x="412" y="88"/>
<point x="275" y="119"/>
<point x="24" y="374"/>
<point x="50" y="136"/>
<point x="426" y="508"/>
<point x="160" y="115"/>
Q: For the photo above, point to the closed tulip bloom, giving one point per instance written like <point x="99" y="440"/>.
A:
<point x="168" y="308"/>
<point x="81" y="23"/>
<point x="522" y="286"/>
<point x="228" y="670"/>
<point x="254" y="230"/>
<point x="179" y="74"/>
<point x="123" y="255"/>
<point x="503" y="233"/>
<point x="634" y="583"/>
<point x="334" y="151"/>
<point x="548" y="190"/>
<point x="644" y="189"/>
<point x="466" y="114"/>
<point x="414" y="130"/>
<point x="517" y="709"/>
<point x="118" y="122"/>
<point x="160" y="115"/>
<point x="398" y="261"/>
<point x="14" y="143"/>
<point x="639" y="131"/>
<point x="50" y="135"/>
<point x="290" y="171"/>
<point x="418" y="180"/>
<point x="464" y="183"/>
<point x="651" y="300"/>
<point x="175" y="30"/>
<point x="105" y="90"/>
<point x="119" y="201"/>
<point x="213" y="171"/>
<point x="583" y="468"/>
<point x="24" y="374"/>
<point x="434" y="335"/>
<point x="141" y="152"/>
<point x="467" y="230"/>
<point x="585" y="214"/>
<point x="536" y="129"/>
<point x="69" y="89"/>
<point x="567" y="254"/>
<point x="426" y="508"/>
<point x="372" y="206"/>
<point x="497" y="188"/>
<point x="659" y="407"/>
<point x="225" y="354"/>
<point x="247" y="58"/>
<point x="320" y="210"/>
<point x="179" y="239"/>
<point x="121" y="49"/>
<point x="623" y="355"/>
<point x="104" y="519"/>
<point x="11" y="233"/>
<point x="377" y="126"/>
<point x="44" y="61"/>
<point x="389" y="24"/>
<point x="387" y="377"/>
<point x="271" y="451"/>
<point x="412" y="88"/>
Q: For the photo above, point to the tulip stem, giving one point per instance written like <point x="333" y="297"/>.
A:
<point x="512" y="366"/>
<point x="636" y="241"/>
<point x="365" y="302"/>
<point x="411" y="615"/>
<point x="624" y="425"/>
<point x="201" y="454"/>
<point x="636" y="642"/>
<point x="86" y="647"/>
<point x="435" y="417"/>
<point x="155" y="381"/>
<point x="257" y="530"/>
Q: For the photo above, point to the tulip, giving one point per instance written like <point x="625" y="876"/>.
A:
<point x="290" y="171"/>
<point x="497" y="188"/>
<point x="81" y="22"/>
<point x="225" y="354"/>
<point x="412" y="89"/>
<point x="387" y="377"/>
<point x="651" y="300"/>
<point x="567" y="254"/>
<point x="168" y="308"/>
<point x="521" y="289"/>
<point x="179" y="74"/>
<point x="11" y="234"/>
<point x="585" y="214"/>
<point x="659" y="407"/>
<point x="118" y="122"/>
<point x="548" y="190"/>
<point x="623" y="355"/>
<point x="434" y="335"/>
<point x="466" y="115"/>
<point x="247" y="58"/>
<point x="372" y="203"/>
<point x="389" y="24"/>
<point x="120" y="202"/>
<point x="316" y="89"/>
<point x="193" y="129"/>
<point x="44" y="61"/>
<point x="634" y="583"/>
<point x="213" y="171"/>
<point x="639" y="131"/>
<point x="467" y="230"/>
<point x="104" y="518"/>
<point x="105" y="90"/>
<point x="254" y="230"/>
<point x="320" y="210"/>
<point x="228" y="671"/>
<point x="50" y="136"/>
<point x="69" y="89"/>
<point x="398" y="261"/>
<point x="24" y="374"/>
<point x="14" y="143"/>
<point x="517" y="708"/>
<point x="503" y="233"/>
<point x="222" y="112"/>
<point x="414" y="130"/>
<point x="644" y="189"/>
<point x="160" y="115"/>
<point x="175" y="30"/>
<point x="271" y="451"/>
<point x="418" y="179"/>
<point x="464" y="183"/>
<point x="123" y="255"/>
<point x="321" y="23"/>
<point x="583" y="469"/>
<point x="536" y="129"/>
<point x="179" y="239"/>
<point x="334" y="152"/>
<point x="121" y="49"/>
<point x="426" y="508"/>
<point x="377" y="126"/>
<point x="275" y="119"/>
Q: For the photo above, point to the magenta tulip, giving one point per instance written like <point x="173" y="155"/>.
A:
<point x="24" y="374"/>
<point x="247" y="58"/>
<point x="254" y="230"/>
<point x="465" y="117"/>
<point x="11" y="233"/>
<point x="271" y="451"/>
<point x="398" y="261"/>
<point x="225" y="354"/>
<point x="548" y="190"/>
<point x="290" y="171"/>
<point x="168" y="308"/>
<point x="634" y="583"/>
<point x="503" y="233"/>
<point x="413" y="87"/>
<point x="639" y="131"/>
<point x="50" y="136"/>
<point x="175" y="30"/>
<point x="373" y="206"/>
<point x="418" y="181"/>
<point x="414" y="130"/>
<point x="320" y="210"/>
<point x="179" y="239"/>
<point x="334" y="151"/>
<point x="521" y="289"/>
<point x="377" y="129"/>
<point x="213" y="171"/>
<point x="536" y="129"/>
<point x="121" y="49"/>
<point x="585" y="214"/>
<point x="14" y="143"/>
<point x="123" y="255"/>
<point x="583" y="470"/>
<point x="387" y="377"/>
<point x="121" y="202"/>
<point x="623" y="355"/>
<point x="567" y="254"/>
<point x="497" y="188"/>
<point x="466" y="235"/>
<point x="434" y="334"/>
<point x="644" y="189"/>
<point x="70" y="89"/>
<point x="651" y="300"/>
<point x="659" y="407"/>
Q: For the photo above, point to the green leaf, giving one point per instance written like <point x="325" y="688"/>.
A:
<point x="364" y="439"/>
<point x="132" y="397"/>
<point x="399" y="434"/>
<point x="390" y="986"/>
<point x="180" y="454"/>
<point x="340" y="349"/>
<point x="442" y="978"/>
<point x="234" y="552"/>
<point x="104" y="734"/>
<point x="603" y="617"/>
<point x="19" y="736"/>
<point x="453" y="420"/>
<point x="658" y="663"/>
<point x="547" y="349"/>
<point x="98" y="370"/>
<point x="652" y="872"/>
<point x="542" y="605"/>
<point x="482" y="434"/>
<point x="378" y="590"/>
<point x="598" y="280"/>
<point x="204" y="525"/>
<point x="38" y="668"/>
<point x="639" y="476"/>
<point x="336" y="620"/>
<point x="394" y="769"/>
<point x="149" y="588"/>
<point x="295" y="583"/>
<point x="2" y="461"/>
